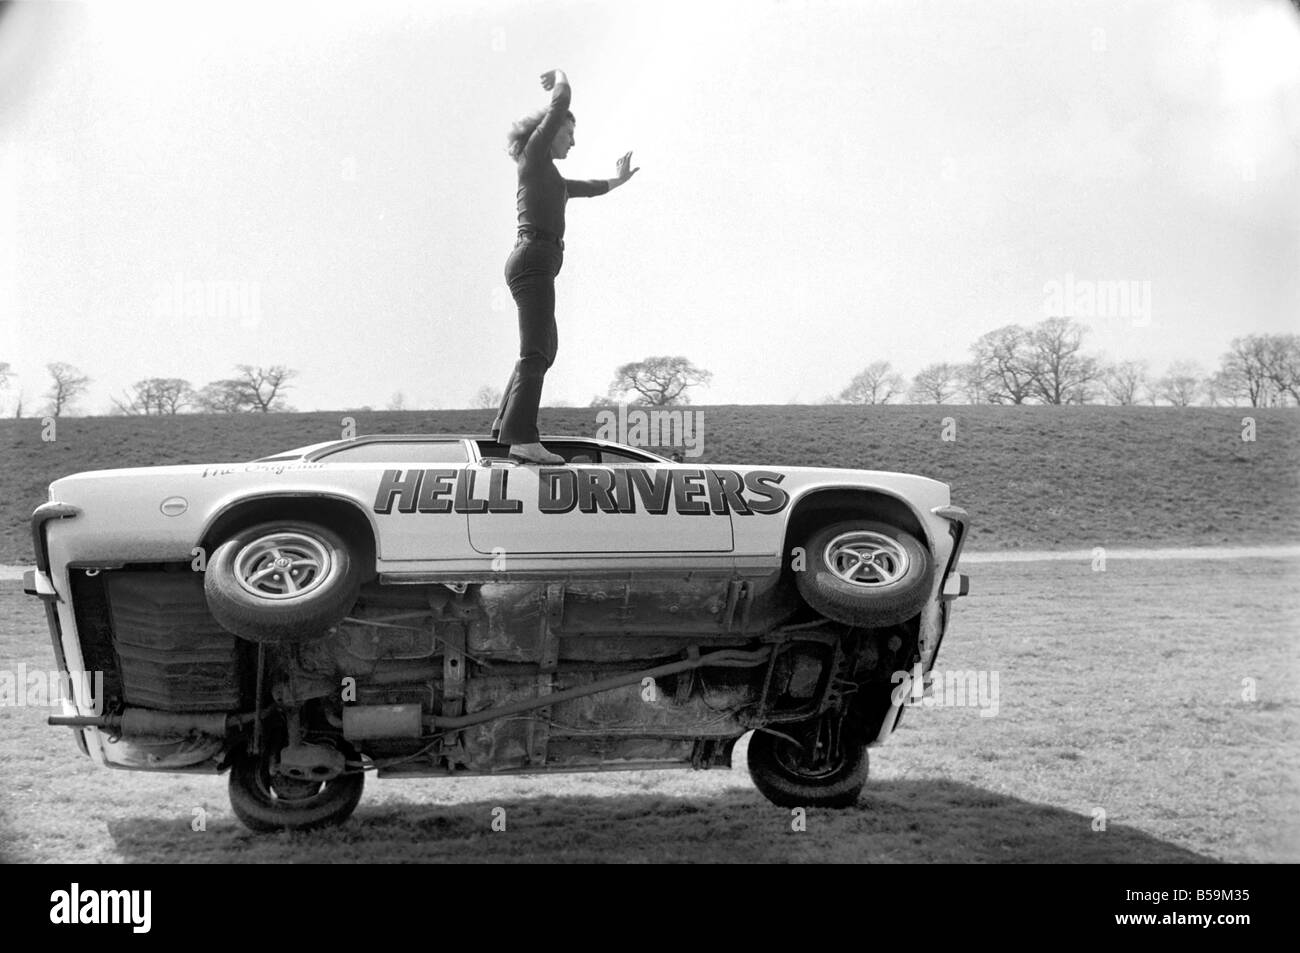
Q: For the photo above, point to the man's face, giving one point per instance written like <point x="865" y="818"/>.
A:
<point x="562" y="142"/>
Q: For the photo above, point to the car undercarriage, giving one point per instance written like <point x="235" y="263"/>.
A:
<point x="482" y="678"/>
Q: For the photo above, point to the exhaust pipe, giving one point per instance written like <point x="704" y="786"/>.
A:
<point x="723" y="659"/>
<point x="138" y="722"/>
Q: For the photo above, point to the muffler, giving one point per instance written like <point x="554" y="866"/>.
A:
<point x="381" y="721"/>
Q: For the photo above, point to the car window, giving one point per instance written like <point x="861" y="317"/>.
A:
<point x="614" y="457"/>
<point x="399" y="451"/>
<point x="572" y="452"/>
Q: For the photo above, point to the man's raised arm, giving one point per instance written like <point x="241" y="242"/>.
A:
<point x="539" y="143"/>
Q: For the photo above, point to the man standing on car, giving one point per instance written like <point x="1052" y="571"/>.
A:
<point x="535" y="142"/>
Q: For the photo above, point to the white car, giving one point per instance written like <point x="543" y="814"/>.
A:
<point x="421" y="606"/>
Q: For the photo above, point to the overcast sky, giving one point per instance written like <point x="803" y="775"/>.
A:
<point x="185" y="187"/>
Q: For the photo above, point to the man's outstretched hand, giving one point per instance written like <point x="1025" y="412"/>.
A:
<point x="625" y="170"/>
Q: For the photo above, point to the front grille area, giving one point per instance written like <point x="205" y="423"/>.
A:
<point x="173" y="656"/>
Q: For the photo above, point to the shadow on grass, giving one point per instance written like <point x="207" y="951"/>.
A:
<point x="899" y="821"/>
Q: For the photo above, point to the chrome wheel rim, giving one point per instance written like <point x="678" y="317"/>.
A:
<point x="801" y="764"/>
<point x="821" y="757"/>
<point x="284" y="566"/>
<point x="867" y="559"/>
<point x="291" y="789"/>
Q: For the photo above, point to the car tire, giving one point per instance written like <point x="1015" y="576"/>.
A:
<point x="282" y="582"/>
<point x="889" y="587"/>
<point x="265" y="804"/>
<point x="784" y="774"/>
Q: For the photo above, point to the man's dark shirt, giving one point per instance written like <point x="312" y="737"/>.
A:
<point x="543" y="192"/>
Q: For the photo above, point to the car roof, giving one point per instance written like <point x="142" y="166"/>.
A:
<point x="310" y="449"/>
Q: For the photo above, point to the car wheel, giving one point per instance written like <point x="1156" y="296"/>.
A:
<point x="808" y="767"/>
<point x="266" y="802"/>
<point x="282" y="582"/>
<point x="865" y="573"/>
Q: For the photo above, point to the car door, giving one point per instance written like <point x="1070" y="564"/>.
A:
<point x="635" y="507"/>
<point x="419" y="492"/>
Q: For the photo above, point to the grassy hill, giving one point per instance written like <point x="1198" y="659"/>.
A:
<point x="1032" y="477"/>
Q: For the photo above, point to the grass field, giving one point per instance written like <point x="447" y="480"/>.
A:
<point x="1120" y="691"/>
<point x="1032" y="477"/>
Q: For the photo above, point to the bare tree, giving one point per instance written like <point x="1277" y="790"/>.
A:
<point x="265" y="386"/>
<point x="1244" y="370"/>
<point x="156" y="396"/>
<point x="5" y="374"/>
<point x="487" y="398"/>
<point x="1219" y="392"/>
<point x="68" y="385"/>
<point x="875" y="384"/>
<point x="659" y="381"/>
<point x="1126" y="382"/>
<point x="1282" y="363"/>
<point x="397" y="401"/>
<point x="253" y="389"/>
<point x="1061" y="373"/>
<point x="971" y="380"/>
<point x="936" y="383"/>
<point x="1002" y="368"/>
<point x="223" y="397"/>
<point x="172" y="394"/>
<point x="1182" y="385"/>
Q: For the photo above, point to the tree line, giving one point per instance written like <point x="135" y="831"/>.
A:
<point x="1046" y="363"/>
<point x="252" y="389"/>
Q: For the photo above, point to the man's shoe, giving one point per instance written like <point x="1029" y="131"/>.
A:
<point x="534" y="453"/>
